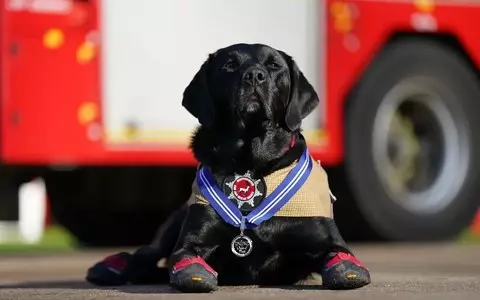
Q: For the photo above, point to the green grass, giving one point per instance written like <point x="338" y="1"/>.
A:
<point x="469" y="237"/>
<point x="55" y="239"/>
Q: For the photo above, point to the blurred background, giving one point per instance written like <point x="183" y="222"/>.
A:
<point x="94" y="140"/>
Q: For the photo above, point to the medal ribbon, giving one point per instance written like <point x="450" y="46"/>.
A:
<point x="270" y="205"/>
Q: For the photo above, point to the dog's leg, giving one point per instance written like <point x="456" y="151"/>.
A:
<point x="141" y="266"/>
<point x="340" y="269"/>
<point x="167" y="235"/>
<point x="198" y="239"/>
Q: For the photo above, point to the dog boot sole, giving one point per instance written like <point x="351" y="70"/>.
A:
<point x="194" y="279"/>
<point x="345" y="275"/>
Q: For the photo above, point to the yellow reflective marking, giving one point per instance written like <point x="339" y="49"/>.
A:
<point x="196" y="278"/>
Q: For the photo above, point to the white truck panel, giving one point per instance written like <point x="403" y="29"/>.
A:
<point x="153" y="48"/>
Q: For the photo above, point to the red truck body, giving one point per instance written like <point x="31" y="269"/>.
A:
<point x="52" y="106"/>
<point x="45" y="89"/>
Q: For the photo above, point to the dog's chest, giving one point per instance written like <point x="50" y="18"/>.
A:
<point x="278" y="253"/>
<point x="247" y="192"/>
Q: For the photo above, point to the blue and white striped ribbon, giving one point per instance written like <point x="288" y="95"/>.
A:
<point x="270" y="205"/>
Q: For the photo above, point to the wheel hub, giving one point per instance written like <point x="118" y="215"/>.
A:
<point x="420" y="154"/>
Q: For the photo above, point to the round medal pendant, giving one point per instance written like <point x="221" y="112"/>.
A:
<point x="242" y="245"/>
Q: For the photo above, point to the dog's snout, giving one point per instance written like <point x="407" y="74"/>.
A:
<point x="254" y="76"/>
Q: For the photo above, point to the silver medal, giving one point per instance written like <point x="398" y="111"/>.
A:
<point x="242" y="245"/>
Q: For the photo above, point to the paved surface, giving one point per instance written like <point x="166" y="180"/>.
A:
<point x="398" y="272"/>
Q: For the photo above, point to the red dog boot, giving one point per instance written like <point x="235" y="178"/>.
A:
<point x="343" y="271"/>
<point x="110" y="271"/>
<point x="193" y="275"/>
<point x="125" y="268"/>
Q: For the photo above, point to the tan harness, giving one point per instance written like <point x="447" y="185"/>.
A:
<point x="313" y="199"/>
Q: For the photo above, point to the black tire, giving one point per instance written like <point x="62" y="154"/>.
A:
<point x="375" y="213"/>
<point x="117" y="206"/>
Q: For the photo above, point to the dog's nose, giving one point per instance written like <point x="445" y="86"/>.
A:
<point x="254" y="76"/>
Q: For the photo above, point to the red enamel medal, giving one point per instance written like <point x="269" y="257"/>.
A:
<point x="245" y="191"/>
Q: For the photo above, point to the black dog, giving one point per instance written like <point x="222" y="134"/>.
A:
<point x="250" y="101"/>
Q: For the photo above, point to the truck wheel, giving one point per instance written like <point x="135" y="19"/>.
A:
<point x="116" y="206"/>
<point x="412" y="154"/>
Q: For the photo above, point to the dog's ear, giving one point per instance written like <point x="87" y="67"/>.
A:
<point x="197" y="98"/>
<point x="303" y="98"/>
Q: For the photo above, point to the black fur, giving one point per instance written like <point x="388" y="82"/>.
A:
<point x="250" y="101"/>
<point x="250" y="128"/>
<point x="247" y="126"/>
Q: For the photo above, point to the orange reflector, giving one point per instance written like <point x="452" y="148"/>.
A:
<point x="87" y="112"/>
<point x="337" y="8"/>
<point x="86" y="52"/>
<point x="343" y="17"/>
<point x="53" y="38"/>
<point x="424" y="5"/>
<point x="344" y="26"/>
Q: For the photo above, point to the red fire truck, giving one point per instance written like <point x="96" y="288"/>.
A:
<point x="91" y="103"/>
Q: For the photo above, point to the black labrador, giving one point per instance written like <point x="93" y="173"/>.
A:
<point x="250" y="100"/>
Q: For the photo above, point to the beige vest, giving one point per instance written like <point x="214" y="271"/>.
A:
<point x="311" y="200"/>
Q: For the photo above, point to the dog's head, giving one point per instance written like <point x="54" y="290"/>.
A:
<point x="250" y="83"/>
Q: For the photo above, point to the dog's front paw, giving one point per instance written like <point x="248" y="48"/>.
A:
<point x="110" y="271"/>
<point x="344" y="271"/>
<point x="125" y="268"/>
<point x="193" y="275"/>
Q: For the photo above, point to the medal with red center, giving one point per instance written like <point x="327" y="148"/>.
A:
<point x="242" y="200"/>
<point x="244" y="191"/>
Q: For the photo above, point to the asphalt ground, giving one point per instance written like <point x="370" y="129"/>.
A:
<point x="435" y="271"/>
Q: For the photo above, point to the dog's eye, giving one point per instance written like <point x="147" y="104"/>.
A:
<point x="273" y="65"/>
<point x="229" y="66"/>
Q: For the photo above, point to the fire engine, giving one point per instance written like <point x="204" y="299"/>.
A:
<point x="92" y="89"/>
